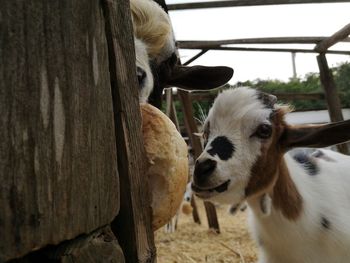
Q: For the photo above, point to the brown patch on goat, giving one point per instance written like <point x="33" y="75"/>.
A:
<point x="266" y="175"/>
<point x="286" y="196"/>
<point x="264" y="171"/>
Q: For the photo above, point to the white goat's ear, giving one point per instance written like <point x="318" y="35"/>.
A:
<point x="198" y="134"/>
<point x="316" y="135"/>
<point x="199" y="77"/>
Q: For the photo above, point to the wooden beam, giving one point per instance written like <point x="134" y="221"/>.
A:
<point x="332" y="97"/>
<point x="195" y="57"/>
<point x="195" y="214"/>
<point x="170" y="110"/>
<point x="343" y="33"/>
<point x="282" y="96"/>
<point x="190" y="123"/>
<point x="191" y="126"/>
<point x="265" y="40"/>
<point x="57" y="150"/>
<point x="232" y="3"/>
<point x="335" y="52"/>
<point x="132" y="226"/>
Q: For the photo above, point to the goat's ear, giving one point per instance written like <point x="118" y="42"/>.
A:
<point x="316" y="135"/>
<point x="199" y="77"/>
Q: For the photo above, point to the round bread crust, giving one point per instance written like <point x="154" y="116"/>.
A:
<point x="168" y="171"/>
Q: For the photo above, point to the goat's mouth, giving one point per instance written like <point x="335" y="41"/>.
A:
<point x="209" y="192"/>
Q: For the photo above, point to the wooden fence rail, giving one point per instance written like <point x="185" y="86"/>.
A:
<point x="232" y="3"/>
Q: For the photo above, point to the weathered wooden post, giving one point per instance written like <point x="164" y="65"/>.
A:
<point x="62" y="130"/>
<point x="186" y="102"/>
<point x="332" y="98"/>
<point x="133" y="224"/>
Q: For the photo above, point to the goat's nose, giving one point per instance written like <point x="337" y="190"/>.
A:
<point x="141" y="76"/>
<point x="203" y="170"/>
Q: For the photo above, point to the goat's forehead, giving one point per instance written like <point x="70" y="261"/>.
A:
<point x="236" y="105"/>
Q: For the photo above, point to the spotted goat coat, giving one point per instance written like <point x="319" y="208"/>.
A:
<point x="299" y="204"/>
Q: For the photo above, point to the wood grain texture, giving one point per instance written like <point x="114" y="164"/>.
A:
<point x="98" y="246"/>
<point x="338" y="36"/>
<point x="102" y="248"/>
<point x="133" y="224"/>
<point x="265" y="40"/>
<point x="332" y="97"/>
<point x="199" y="96"/>
<point x="57" y="153"/>
<point x="295" y="50"/>
<point x="230" y="3"/>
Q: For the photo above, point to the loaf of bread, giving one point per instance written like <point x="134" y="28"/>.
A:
<point x="168" y="164"/>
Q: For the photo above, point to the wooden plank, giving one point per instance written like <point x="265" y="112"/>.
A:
<point x="266" y="40"/>
<point x="103" y="248"/>
<point x="195" y="213"/>
<point x="295" y="50"/>
<point x="57" y="152"/>
<point x="231" y="3"/>
<point x="186" y="102"/>
<point x="332" y="97"/>
<point x="97" y="247"/>
<point x="170" y="108"/>
<point x="133" y="224"/>
<point x="171" y="113"/>
<point x="195" y="57"/>
<point x="335" y="38"/>
<point x="282" y="96"/>
<point x="190" y="123"/>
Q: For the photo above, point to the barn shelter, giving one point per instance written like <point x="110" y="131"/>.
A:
<point x="72" y="160"/>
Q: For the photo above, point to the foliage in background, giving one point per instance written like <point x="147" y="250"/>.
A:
<point x="309" y="84"/>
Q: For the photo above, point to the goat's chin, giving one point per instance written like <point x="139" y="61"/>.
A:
<point x="226" y="198"/>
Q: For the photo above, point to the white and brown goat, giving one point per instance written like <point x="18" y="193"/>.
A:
<point x="299" y="205"/>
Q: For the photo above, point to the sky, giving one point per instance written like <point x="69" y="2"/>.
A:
<point x="261" y="21"/>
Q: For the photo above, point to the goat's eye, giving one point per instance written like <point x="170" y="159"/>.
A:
<point x="263" y="131"/>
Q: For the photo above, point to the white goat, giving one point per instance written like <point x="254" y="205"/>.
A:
<point x="299" y="206"/>
<point x="152" y="26"/>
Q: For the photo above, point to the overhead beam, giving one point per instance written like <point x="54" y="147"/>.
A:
<point x="266" y="40"/>
<point x="195" y="57"/>
<point x="336" y="52"/>
<point x="231" y="3"/>
<point x="343" y="33"/>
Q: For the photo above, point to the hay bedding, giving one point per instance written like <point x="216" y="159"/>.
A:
<point x="196" y="243"/>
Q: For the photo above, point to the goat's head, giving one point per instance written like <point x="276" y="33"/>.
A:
<point x="245" y="137"/>
<point x="152" y="25"/>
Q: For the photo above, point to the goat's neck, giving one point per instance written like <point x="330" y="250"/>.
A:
<point x="282" y="195"/>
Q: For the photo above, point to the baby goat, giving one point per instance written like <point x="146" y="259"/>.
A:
<point x="299" y="205"/>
